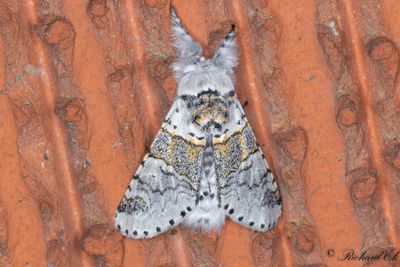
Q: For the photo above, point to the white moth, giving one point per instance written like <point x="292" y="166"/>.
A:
<point x="204" y="163"/>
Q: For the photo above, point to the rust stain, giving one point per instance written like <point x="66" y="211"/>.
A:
<point x="85" y="86"/>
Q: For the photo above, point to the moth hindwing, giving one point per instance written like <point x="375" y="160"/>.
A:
<point x="204" y="163"/>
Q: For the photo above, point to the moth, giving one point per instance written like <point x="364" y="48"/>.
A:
<point x="204" y="164"/>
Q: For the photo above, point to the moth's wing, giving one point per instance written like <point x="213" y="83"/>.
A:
<point x="163" y="190"/>
<point x="248" y="190"/>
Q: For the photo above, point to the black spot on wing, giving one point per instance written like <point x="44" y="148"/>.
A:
<point x="230" y="93"/>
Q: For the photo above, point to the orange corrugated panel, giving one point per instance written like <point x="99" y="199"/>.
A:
<point x="86" y="84"/>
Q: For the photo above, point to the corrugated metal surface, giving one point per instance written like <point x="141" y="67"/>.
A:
<point x="85" y="86"/>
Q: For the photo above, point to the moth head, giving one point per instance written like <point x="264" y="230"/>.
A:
<point x="190" y="61"/>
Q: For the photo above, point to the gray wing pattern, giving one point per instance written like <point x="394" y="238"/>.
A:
<point x="163" y="190"/>
<point x="248" y="191"/>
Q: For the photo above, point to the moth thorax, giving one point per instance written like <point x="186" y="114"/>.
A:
<point x="210" y="112"/>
